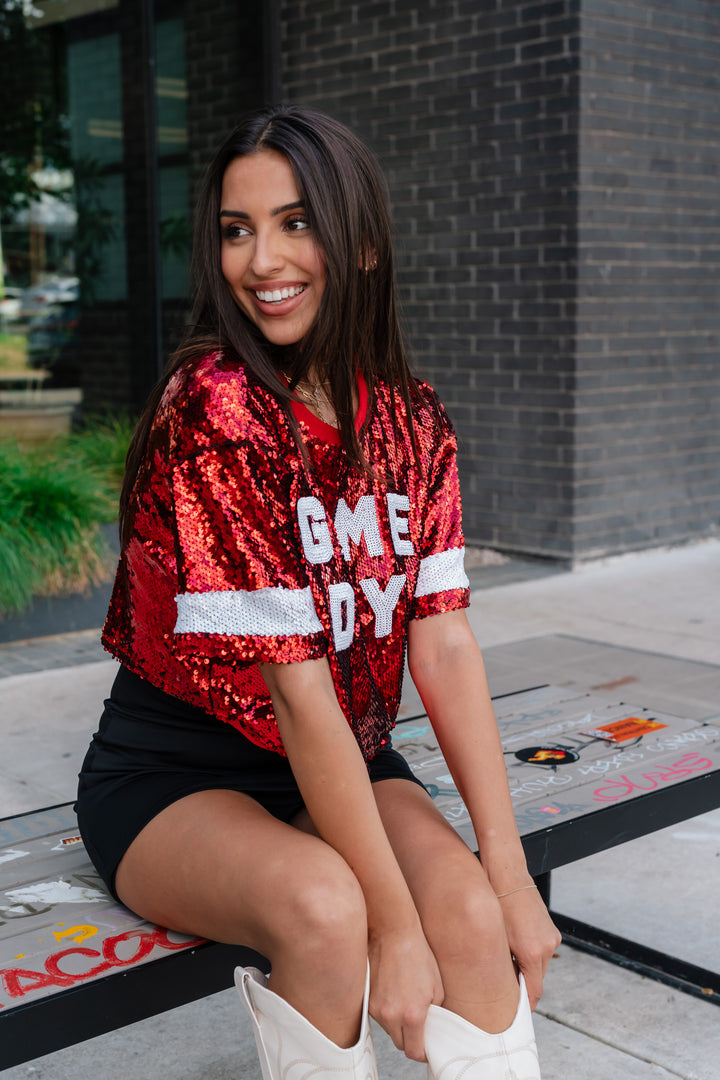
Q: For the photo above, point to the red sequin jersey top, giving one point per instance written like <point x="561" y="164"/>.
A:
<point x="239" y="554"/>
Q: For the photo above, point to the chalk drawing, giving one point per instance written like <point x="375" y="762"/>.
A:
<point x="682" y="738"/>
<point x="536" y="786"/>
<point x="664" y="774"/>
<point x="18" y="982"/>
<point x="54" y="892"/>
<point x="410" y="731"/>
<point x="10" y="856"/>
<point x="77" y="933"/>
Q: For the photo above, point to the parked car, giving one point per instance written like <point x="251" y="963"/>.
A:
<point x="38" y="298"/>
<point x="10" y="304"/>
<point x="50" y="334"/>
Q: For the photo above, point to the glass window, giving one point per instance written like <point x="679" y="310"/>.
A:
<point x="172" y="145"/>
<point x="96" y="145"/>
<point x="88" y="198"/>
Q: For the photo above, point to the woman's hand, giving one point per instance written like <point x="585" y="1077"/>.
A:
<point x="532" y="935"/>
<point x="338" y="795"/>
<point x="404" y="982"/>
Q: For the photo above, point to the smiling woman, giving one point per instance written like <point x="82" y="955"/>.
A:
<point x="291" y="532"/>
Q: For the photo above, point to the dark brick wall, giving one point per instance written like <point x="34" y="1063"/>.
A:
<point x="540" y="153"/>
<point x="553" y="168"/>
<point x="224" y="71"/>
<point x="472" y="109"/>
<point x="648" y="370"/>
<point x="101" y="352"/>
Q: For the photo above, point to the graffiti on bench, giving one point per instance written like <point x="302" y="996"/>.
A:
<point x="567" y="755"/>
<point x="18" y="982"/>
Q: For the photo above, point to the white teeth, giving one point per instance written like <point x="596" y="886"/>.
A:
<point x="274" y="296"/>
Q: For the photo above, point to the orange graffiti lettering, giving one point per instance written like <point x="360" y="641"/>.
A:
<point x="77" y="933"/>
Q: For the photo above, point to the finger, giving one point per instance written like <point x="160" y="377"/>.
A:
<point x="414" y="1041"/>
<point x="408" y="1036"/>
<point x="551" y="950"/>
<point x="533" y="984"/>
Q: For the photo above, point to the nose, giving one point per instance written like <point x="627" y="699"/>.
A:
<point x="268" y="252"/>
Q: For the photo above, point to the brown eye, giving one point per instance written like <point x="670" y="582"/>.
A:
<point x="234" y="232"/>
<point x="297" y="224"/>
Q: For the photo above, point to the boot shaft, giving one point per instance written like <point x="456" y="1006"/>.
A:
<point x="457" y="1050"/>
<point x="291" y="1048"/>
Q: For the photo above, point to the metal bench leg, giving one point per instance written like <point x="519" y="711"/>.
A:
<point x="641" y="959"/>
<point x="543" y="885"/>
<point x="697" y="981"/>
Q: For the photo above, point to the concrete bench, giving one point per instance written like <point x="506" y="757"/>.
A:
<point x="586" y="771"/>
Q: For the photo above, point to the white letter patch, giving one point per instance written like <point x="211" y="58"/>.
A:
<point x="383" y="603"/>
<point x="352" y="524"/>
<point x="342" y="614"/>
<point x="314" y="531"/>
<point x="398" y="525"/>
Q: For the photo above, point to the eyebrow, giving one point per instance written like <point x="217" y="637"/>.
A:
<point x="273" y="213"/>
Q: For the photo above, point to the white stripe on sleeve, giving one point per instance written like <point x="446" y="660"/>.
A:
<point x="270" y="612"/>
<point x="444" y="570"/>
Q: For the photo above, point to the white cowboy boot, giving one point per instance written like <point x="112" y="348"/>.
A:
<point x="457" y="1050"/>
<point x="290" y="1048"/>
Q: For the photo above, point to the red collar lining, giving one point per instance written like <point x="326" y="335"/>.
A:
<point x="319" y="429"/>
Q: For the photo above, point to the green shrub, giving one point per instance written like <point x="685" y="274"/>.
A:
<point x="52" y="501"/>
<point x="102" y="444"/>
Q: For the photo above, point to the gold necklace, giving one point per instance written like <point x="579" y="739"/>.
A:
<point x="312" y="393"/>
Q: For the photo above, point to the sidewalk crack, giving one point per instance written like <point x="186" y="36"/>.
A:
<point x="613" y="1046"/>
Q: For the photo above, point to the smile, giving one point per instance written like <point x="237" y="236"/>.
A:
<point x="276" y="296"/>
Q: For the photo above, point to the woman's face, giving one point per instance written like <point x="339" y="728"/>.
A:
<point x="275" y="271"/>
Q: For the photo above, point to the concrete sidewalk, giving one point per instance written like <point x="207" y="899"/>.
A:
<point x="595" y="1020"/>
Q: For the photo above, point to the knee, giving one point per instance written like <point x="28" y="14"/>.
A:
<point x="465" y="919"/>
<point x="328" y="915"/>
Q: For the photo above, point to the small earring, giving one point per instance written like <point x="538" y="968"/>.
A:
<point x="367" y="260"/>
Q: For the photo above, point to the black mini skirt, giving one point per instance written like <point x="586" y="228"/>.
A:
<point x="152" y="749"/>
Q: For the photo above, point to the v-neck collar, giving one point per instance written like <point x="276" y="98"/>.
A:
<point x="320" y="429"/>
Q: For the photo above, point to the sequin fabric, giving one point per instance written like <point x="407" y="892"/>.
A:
<point x="239" y="554"/>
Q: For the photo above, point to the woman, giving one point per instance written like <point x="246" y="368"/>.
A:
<point x="291" y="528"/>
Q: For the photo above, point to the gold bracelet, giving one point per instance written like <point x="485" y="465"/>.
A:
<point x="519" y="889"/>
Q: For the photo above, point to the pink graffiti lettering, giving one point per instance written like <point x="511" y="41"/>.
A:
<point x="20" y="981"/>
<point x="664" y="774"/>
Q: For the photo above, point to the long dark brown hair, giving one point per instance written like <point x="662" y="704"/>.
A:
<point x="357" y="327"/>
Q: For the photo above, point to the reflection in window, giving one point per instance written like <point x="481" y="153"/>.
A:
<point x="76" y="198"/>
<point x="171" y="87"/>
<point x="94" y="99"/>
<point x="174" y="230"/>
<point x="96" y="140"/>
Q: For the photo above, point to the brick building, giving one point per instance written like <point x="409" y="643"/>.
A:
<point x="554" y="173"/>
<point x="555" y="178"/>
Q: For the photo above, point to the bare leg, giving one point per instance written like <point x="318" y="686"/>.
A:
<point x="216" y="864"/>
<point x="460" y="914"/>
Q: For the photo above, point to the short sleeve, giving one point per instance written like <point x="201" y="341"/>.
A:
<point x="442" y="584"/>
<point x="243" y="593"/>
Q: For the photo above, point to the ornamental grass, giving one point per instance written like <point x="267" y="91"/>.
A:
<point x="53" y="500"/>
